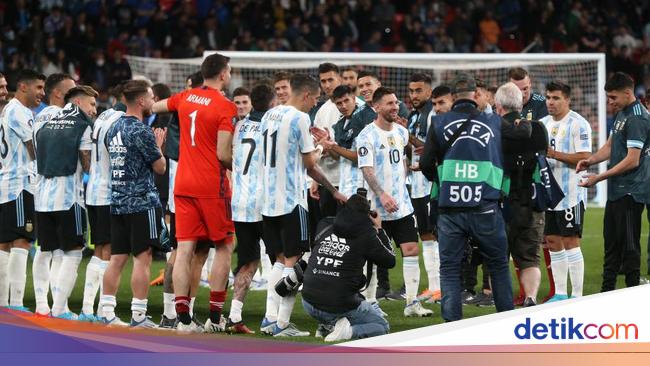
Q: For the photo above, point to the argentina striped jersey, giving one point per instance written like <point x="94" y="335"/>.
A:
<point x="385" y="152"/>
<point x="285" y="137"/>
<point x="98" y="191"/>
<point x="41" y="118"/>
<point x="570" y="135"/>
<point x="16" y="123"/>
<point x="247" y="167"/>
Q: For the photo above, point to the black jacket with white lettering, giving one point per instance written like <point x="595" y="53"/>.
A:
<point x="334" y="276"/>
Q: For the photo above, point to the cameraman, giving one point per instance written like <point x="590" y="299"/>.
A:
<point x="334" y="277"/>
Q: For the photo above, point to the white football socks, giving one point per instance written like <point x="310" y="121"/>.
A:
<point x="109" y="302"/>
<point x="65" y="280"/>
<point x="576" y="270"/>
<point x="236" y="307"/>
<point x="192" y="306"/>
<point x="431" y="263"/>
<point x="4" y="278"/>
<point x="370" y="293"/>
<point x="560" y="267"/>
<point x="41" y="277"/>
<point x="286" y="303"/>
<point x="411" y="273"/>
<point x="169" y="307"/>
<point x="272" y="297"/>
<point x="265" y="261"/>
<point x="138" y="309"/>
<point x="91" y="285"/>
<point x="17" y="275"/>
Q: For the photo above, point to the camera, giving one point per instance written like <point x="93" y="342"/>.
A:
<point x="364" y="193"/>
<point x="289" y="285"/>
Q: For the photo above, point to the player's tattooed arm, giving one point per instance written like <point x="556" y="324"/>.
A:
<point x="369" y="176"/>
<point x="84" y="157"/>
<point x="30" y="149"/>
<point x="317" y="174"/>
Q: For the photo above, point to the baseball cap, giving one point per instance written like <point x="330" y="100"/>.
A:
<point x="463" y="82"/>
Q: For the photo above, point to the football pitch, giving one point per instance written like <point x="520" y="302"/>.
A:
<point x="254" y="307"/>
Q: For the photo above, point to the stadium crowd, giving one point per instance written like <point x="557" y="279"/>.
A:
<point x="88" y="39"/>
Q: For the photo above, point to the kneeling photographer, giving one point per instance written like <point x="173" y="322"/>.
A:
<point x="334" y="277"/>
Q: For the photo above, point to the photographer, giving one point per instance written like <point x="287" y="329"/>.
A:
<point x="334" y="279"/>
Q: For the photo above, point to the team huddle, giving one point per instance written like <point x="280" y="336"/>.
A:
<point x="267" y="168"/>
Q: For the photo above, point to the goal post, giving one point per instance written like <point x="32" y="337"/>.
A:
<point x="584" y="72"/>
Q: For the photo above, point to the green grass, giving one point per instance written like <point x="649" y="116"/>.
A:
<point x="592" y="246"/>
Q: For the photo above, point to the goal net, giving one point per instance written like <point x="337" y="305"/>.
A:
<point x="585" y="73"/>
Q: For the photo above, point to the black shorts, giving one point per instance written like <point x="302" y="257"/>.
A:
<point x="422" y="207"/>
<point x="248" y="242"/>
<point x="136" y="232"/>
<point x="61" y="229"/>
<point x="287" y="234"/>
<point x="567" y="222"/>
<point x="172" y="230"/>
<point x="402" y="230"/>
<point x="99" y="219"/>
<point x="17" y="218"/>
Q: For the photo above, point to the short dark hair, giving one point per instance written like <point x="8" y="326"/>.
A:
<point x="440" y="91"/>
<point x="364" y="73"/>
<point x="350" y="68"/>
<point x="493" y="89"/>
<point x="53" y="80"/>
<point x="421" y="77"/>
<point x="517" y="73"/>
<point x="261" y="97"/>
<point x="327" y="67"/>
<point x="380" y="93"/>
<point x="80" y="90"/>
<point x="358" y="203"/>
<point x="240" y="91"/>
<point x="214" y="65"/>
<point x="480" y="83"/>
<point x="341" y="91"/>
<point x="134" y="89"/>
<point x="557" y="85"/>
<point x="28" y="75"/>
<point x="196" y="79"/>
<point x="302" y="82"/>
<point x="117" y="91"/>
<point x="281" y="75"/>
<point x="619" y="82"/>
<point x="161" y="91"/>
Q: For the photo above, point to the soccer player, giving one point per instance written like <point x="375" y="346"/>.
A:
<point x="367" y="83"/>
<point x="202" y="190"/>
<point x="442" y="99"/>
<point x="194" y="81"/>
<point x="98" y="204"/>
<point x="46" y="264"/>
<point x="242" y="99"/>
<point x="282" y="86"/>
<point x="349" y="76"/>
<point x="327" y="115"/>
<point x="628" y="188"/>
<point x="248" y="183"/>
<point x="135" y="155"/>
<point x="381" y="147"/>
<point x="569" y="142"/>
<point x="288" y="151"/>
<point x="16" y="192"/>
<point x="534" y="109"/>
<point x="63" y="146"/>
<point x="3" y="88"/>
<point x="418" y="125"/>
<point x="483" y="97"/>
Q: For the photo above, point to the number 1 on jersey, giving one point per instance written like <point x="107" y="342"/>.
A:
<point x="193" y="126"/>
<point x="274" y="142"/>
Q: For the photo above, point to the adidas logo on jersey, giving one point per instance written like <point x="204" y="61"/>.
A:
<point x="382" y="147"/>
<point x="569" y="226"/>
<point x="116" y="145"/>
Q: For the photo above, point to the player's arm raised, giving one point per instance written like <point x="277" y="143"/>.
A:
<point x="160" y="106"/>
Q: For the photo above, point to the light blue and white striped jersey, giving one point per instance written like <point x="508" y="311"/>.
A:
<point x="16" y="123"/>
<point x="173" y="167"/>
<point x="385" y="152"/>
<point x="247" y="175"/>
<point x="41" y="118"/>
<point x="60" y="193"/>
<point x="351" y="177"/>
<point x="570" y="135"/>
<point x="285" y="137"/>
<point x="98" y="191"/>
<point x="420" y="185"/>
